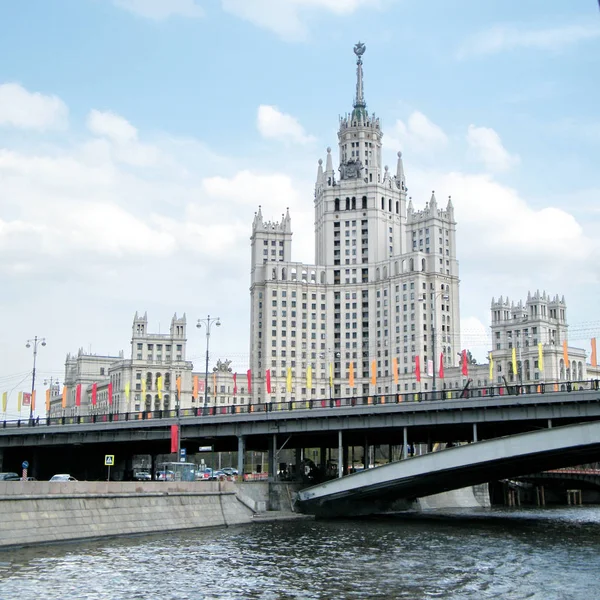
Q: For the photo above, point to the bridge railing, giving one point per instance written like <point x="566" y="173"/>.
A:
<point x="316" y="404"/>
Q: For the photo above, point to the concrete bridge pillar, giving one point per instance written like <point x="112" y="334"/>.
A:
<point x="340" y="454"/>
<point x="241" y="455"/>
<point x="475" y="432"/>
<point x="549" y="423"/>
<point x="272" y="454"/>
<point x="405" y="443"/>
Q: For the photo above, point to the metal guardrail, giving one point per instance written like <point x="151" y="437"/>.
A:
<point x="548" y="388"/>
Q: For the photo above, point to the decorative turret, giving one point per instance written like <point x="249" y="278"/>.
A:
<point x="400" y="180"/>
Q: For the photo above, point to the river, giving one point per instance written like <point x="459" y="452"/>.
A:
<point x="544" y="554"/>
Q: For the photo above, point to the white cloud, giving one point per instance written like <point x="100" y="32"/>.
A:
<point x="31" y="110"/>
<point x="505" y="38"/>
<point x="161" y="9"/>
<point x="287" y="18"/>
<point x="487" y="147"/>
<point x="417" y="135"/>
<point x="274" y="124"/>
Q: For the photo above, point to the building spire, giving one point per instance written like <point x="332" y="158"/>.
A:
<point x="360" y="105"/>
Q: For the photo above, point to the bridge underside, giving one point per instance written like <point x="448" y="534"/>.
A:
<point x="379" y="490"/>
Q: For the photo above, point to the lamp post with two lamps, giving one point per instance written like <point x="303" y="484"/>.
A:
<point x="333" y="354"/>
<point x="208" y="322"/>
<point x="434" y="296"/>
<point x="34" y="342"/>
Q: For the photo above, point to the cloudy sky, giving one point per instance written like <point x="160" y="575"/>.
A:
<point x="138" y="137"/>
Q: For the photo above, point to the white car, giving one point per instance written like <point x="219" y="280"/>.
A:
<point x="62" y="477"/>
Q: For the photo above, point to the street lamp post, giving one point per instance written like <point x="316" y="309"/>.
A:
<point x="51" y="383"/>
<point x="434" y="296"/>
<point x="34" y="342"/>
<point x="208" y="322"/>
<point x="333" y="354"/>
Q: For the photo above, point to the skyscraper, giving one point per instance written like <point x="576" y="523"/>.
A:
<point x="382" y="292"/>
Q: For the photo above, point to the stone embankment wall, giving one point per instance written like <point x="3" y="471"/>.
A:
<point x="42" y="512"/>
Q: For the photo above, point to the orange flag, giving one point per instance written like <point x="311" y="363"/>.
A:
<point x="566" y="354"/>
<point x="374" y="372"/>
<point x="178" y="385"/>
<point x="64" y="396"/>
<point x="195" y="390"/>
<point x="33" y="401"/>
<point x="351" y="375"/>
<point x="395" y="370"/>
<point x="594" y="356"/>
<point x="48" y="400"/>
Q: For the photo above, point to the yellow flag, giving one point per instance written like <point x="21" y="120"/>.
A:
<point x="127" y="390"/>
<point x="309" y="377"/>
<point x="19" y="401"/>
<point x="64" y="396"/>
<point x="374" y="372"/>
<point x="289" y="380"/>
<point x="491" y="357"/>
<point x="178" y="386"/>
<point x="48" y="400"/>
<point x="330" y="374"/>
<point x="540" y="356"/>
<point x="4" y="401"/>
<point x="594" y="359"/>
<point x="143" y="388"/>
<point x="159" y="386"/>
<point x="351" y="375"/>
<point x="514" y="361"/>
<point x="566" y="354"/>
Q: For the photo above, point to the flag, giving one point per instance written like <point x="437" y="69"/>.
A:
<point x="143" y="389"/>
<point x="249" y="376"/>
<point x="268" y="378"/>
<point x="418" y="367"/>
<point x="201" y="386"/>
<point x="351" y="375"/>
<point x="540" y="356"/>
<point x="289" y="380"/>
<point x="395" y="370"/>
<point x="78" y="395"/>
<point x="330" y="374"/>
<point x="19" y="401"/>
<point x="127" y="391"/>
<point x="309" y="377"/>
<point x="374" y="372"/>
<point x="429" y="368"/>
<point x="441" y="365"/>
<point x="48" y="400"/>
<point x="195" y="387"/>
<point x="4" y="401"/>
<point x="26" y="399"/>
<point x="594" y="357"/>
<point x="235" y="384"/>
<point x="95" y="393"/>
<point x="159" y="386"/>
<point x="33" y="401"/>
<point x="465" y="366"/>
<point x="566" y="354"/>
<point x="491" y="359"/>
<point x="110" y="392"/>
<point x="514" y="361"/>
<point x="178" y="386"/>
<point x="174" y="438"/>
<point x="64" y="396"/>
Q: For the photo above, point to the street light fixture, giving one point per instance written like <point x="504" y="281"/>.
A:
<point x="34" y="342"/>
<point x="434" y="296"/>
<point x="208" y="322"/>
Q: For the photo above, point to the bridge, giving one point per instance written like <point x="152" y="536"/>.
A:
<point x="335" y="426"/>
<point x="375" y="491"/>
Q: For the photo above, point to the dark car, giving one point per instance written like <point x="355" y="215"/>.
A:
<point x="9" y="477"/>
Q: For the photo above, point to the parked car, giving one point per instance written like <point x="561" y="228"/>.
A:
<point x="9" y="477"/>
<point x="62" y="477"/>
<point x="230" y="471"/>
<point x="142" y="476"/>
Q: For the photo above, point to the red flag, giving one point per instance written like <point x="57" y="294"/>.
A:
<point x="78" y="395"/>
<point x="418" y="367"/>
<point x="26" y="399"/>
<point x="442" y="365"/>
<point x="249" y="376"/>
<point x="465" y="366"/>
<point x="110" y="394"/>
<point x="201" y="386"/>
<point x="174" y="438"/>
<point x="268" y="381"/>
<point x="235" y="384"/>
<point x="94" y="393"/>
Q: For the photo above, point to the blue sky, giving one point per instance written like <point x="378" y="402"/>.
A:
<point x="138" y="137"/>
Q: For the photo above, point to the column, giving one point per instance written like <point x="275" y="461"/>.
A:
<point x="405" y="443"/>
<point x="340" y="455"/>
<point x="272" y="458"/>
<point x="475" y="432"/>
<point x="241" y="455"/>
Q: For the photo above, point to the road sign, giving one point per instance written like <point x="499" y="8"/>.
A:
<point x="182" y="454"/>
<point x="25" y="465"/>
<point x="109" y="460"/>
<point x="205" y="449"/>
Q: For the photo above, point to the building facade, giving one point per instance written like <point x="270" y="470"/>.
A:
<point x="385" y="278"/>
